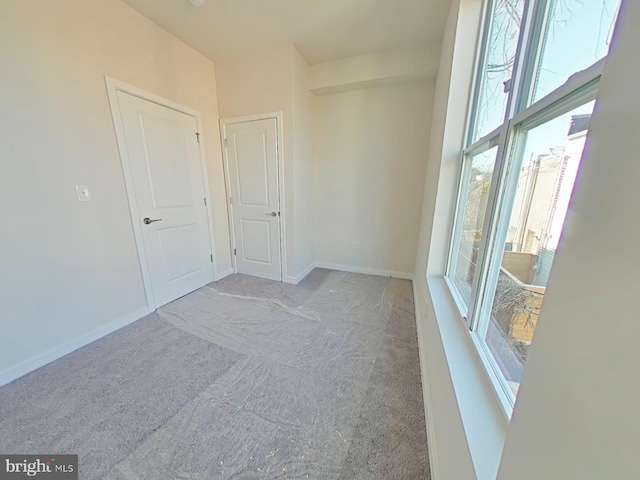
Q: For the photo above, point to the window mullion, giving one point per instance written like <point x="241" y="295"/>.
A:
<point x="481" y="58"/>
<point x="481" y="261"/>
<point x="528" y="55"/>
<point x="461" y="199"/>
<point x="499" y="219"/>
<point x="485" y="143"/>
<point x="584" y="83"/>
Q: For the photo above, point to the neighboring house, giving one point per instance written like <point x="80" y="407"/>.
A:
<point x="536" y="223"/>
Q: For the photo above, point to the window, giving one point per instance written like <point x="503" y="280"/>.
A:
<point x="539" y="64"/>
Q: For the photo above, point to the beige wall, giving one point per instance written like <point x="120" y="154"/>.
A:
<point x="370" y="149"/>
<point x="254" y="84"/>
<point x="376" y="69"/>
<point x="70" y="268"/>
<point x="576" y="415"/>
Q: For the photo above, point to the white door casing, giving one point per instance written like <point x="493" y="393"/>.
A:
<point x="166" y="184"/>
<point x="251" y="158"/>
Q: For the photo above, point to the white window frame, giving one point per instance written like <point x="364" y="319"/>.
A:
<point x="520" y="115"/>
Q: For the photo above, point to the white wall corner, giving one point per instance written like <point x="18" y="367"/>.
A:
<point x="12" y="373"/>
<point x="301" y="276"/>
<point x="224" y="273"/>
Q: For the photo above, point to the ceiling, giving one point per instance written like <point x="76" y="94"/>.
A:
<point x="321" y="30"/>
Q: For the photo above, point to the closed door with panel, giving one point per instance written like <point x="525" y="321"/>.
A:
<point x="168" y="185"/>
<point x="252" y="161"/>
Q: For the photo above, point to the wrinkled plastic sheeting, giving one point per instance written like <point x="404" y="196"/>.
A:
<point x="343" y="304"/>
<point x="350" y="297"/>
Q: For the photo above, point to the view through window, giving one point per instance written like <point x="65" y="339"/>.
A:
<point x="539" y="65"/>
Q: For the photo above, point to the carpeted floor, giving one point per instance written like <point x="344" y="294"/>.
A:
<point x="243" y="379"/>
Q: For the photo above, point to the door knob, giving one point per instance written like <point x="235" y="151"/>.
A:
<point x="147" y="220"/>
<point x="272" y="214"/>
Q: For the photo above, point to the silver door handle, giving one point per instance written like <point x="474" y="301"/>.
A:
<point x="272" y="214"/>
<point x="147" y="220"/>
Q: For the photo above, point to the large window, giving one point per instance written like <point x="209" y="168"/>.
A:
<point x="539" y="64"/>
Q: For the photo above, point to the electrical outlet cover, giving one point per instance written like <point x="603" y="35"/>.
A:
<point x="83" y="193"/>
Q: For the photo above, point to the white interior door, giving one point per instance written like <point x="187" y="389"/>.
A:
<point x="167" y="175"/>
<point x="252" y="159"/>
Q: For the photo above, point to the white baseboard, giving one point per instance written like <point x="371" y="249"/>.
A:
<point x="366" y="271"/>
<point x="334" y="266"/>
<point x="17" y="371"/>
<point x="297" y="279"/>
<point x="431" y="437"/>
<point x="223" y="273"/>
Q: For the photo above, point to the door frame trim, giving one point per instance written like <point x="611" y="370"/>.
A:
<point x="280" y="187"/>
<point x="113" y="86"/>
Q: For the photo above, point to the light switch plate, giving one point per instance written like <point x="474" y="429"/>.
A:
<point x="83" y="193"/>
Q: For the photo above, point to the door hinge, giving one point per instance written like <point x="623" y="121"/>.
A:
<point x="198" y="136"/>
<point x="211" y="256"/>
<point x="230" y="200"/>
<point x="234" y="251"/>
<point x="205" y="201"/>
<point x="225" y="142"/>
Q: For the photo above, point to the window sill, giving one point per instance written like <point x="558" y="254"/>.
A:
<point x="483" y="417"/>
